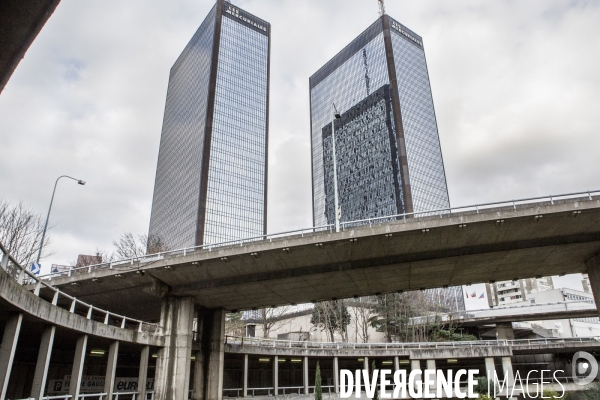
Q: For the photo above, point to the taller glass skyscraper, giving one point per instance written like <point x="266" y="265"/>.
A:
<point x="388" y="154"/>
<point x="211" y="177"/>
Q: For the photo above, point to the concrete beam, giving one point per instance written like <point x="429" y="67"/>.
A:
<point x="111" y="367"/>
<point x="43" y="362"/>
<point x="143" y="372"/>
<point x="465" y="352"/>
<point x="7" y="351"/>
<point x="505" y="331"/>
<point x="78" y="362"/>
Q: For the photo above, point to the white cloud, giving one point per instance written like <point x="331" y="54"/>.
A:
<point x="515" y="87"/>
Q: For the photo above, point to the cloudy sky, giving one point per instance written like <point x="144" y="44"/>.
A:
<point x="515" y="85"/>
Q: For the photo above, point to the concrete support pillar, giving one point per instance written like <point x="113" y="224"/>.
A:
<point x="305" y="374"/>
<point x="366" y="363"/>
<point x="431" y="367"/>
<point x="199" y="372"/>
<point x="336" y="375"/>
<point x="593" y="270"/>
<point x="245" y="377"/>
<point x="214" y="353"/>
<point x="43" y="362"/>
<point x="275" y="375"/>
<point x="509" y="376"/>
<point x="490" y="368"/>
<point x="416" y="365"/>
<point x="111" y="367"/>
<point x="78" y="361"/>
<point x="143" y="373"/>
<point x="172" y="379"/>
<point x="396" y="363"/>
<point x="7" y="351"/>
<point x="505" y="331"/>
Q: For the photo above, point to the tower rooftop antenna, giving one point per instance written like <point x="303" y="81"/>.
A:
<point x="381" y="7"/>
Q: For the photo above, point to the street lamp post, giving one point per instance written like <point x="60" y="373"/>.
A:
<point x="79" y="181"/>
<point x="335" y="115"/>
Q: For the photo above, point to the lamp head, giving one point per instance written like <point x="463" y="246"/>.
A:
<point x="81" y="182"/>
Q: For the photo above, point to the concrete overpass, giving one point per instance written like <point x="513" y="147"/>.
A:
<point x="531" y="312"/>
<point x="553" y="237"/>
<point x="188" y="289"/>
<point x="20" y="23"/>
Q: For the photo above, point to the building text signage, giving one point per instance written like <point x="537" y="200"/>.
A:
<point x="399" y="28"/>
<point x="234" y="12"/>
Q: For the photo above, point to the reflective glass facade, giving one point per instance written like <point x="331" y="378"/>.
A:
<point x="374" y="177"/>
<point x="211" y="173"/>
<point x="368" y="178"/>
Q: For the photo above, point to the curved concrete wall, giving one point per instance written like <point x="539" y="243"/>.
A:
<point x="30" y="304"/>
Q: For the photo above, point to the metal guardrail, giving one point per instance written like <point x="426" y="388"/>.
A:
<point x="268" y="391"/>
<point x="443" y="212"/>
<point x="25" y="277"/>
<point x="289" y="344"/>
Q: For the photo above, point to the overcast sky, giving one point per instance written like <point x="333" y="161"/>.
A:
<point x="516" y="88"/>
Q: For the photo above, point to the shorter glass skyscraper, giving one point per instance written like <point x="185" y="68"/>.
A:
<point x="388" y="153"/>
<point x="211" y="177"/>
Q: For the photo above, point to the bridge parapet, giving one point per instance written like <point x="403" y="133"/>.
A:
<point x="417" y="350"/>
<point x="424" y="215"/>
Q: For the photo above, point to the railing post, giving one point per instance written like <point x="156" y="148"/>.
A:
<point x="106" y="318"/>
<point x="123" y="322"/>
<point x="73" y="304"/>
<point x="55" y="298"/>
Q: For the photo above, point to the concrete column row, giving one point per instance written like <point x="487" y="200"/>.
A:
<point x="8" y="349"/>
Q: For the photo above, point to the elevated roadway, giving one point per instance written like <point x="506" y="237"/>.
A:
<point x="500" y="243"/>
<point x="532" y="312"/>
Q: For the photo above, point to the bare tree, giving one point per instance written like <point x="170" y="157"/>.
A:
<point x="271" y="318"/>
<point x="331" y="316"/>
<point x="132" y="246"/>
<point x="21" y="231"/>
<point x="363" y="310"/>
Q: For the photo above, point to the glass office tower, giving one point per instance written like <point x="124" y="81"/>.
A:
<point x="388" y="154"/>
<point x="211" y="177"/>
